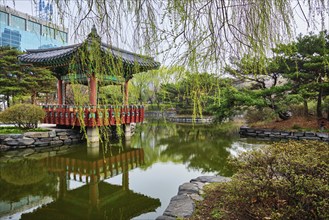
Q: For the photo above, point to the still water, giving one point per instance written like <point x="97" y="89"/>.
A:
<point x="132" y="180"/>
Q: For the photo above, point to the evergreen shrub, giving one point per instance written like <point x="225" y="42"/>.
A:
<point x="282" y="181"/>
<point x="23" y="115"/>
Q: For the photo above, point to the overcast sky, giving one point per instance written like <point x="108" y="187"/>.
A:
<point x="28" y="6"/>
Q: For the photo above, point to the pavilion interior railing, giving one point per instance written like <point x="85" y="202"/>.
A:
<point x="92" y="116"/>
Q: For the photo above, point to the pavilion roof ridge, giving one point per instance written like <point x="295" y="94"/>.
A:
<point x="53" y="48"/>
<point x="108" y="46"/>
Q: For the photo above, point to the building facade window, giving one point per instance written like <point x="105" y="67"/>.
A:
<point x="48" y="32"/>
<point x="33" y="27"/>
<point x="11" y="38"/>
<point x="3" y="18"/>
<point x="61" y="36"/>
<point x="20" y="31"/>
<point x="18" y="22"/>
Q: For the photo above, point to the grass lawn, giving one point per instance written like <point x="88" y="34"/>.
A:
<point x="14" y="130"/>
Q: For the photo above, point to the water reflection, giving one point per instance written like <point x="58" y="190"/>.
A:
<point x="94" y="198"/>
<point x="200" y="147"/>
<point x="125" y="180"/>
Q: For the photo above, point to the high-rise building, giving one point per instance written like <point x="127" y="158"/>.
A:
<point x="25" y="32"/>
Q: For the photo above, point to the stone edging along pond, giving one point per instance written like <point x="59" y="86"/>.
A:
<point x="277" y="134"/>
<point x="183" y="204"/>
<point x="39" y="140"/>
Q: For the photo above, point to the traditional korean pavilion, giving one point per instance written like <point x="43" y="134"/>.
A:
<point x="61" y="59"/>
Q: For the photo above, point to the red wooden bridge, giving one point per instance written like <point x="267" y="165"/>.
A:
<point x="91" y="117"/>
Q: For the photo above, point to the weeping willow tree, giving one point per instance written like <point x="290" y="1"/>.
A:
<point x="200" y="34"/>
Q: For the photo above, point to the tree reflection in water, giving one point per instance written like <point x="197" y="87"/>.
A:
<point x="200" y="147"/>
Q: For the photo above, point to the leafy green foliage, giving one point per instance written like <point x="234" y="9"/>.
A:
<point x="305" y="63"/>
<point x="10" y="72"/>
<point x="17" y="80"/>
<point x="23" y="115"/>
<point x="282" y="181"/>
<point x="259" y="115"/>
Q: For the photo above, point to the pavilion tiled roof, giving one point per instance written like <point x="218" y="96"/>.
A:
<point x="61" y="56"/>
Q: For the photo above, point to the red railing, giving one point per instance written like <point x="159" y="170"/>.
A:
<point x="92" y="116"/>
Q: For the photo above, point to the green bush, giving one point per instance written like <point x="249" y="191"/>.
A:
<point x="282" y="181"/>
<point x="297" y="110"/>
<point x="257" y="115"/>
<point x="23" y="115"/>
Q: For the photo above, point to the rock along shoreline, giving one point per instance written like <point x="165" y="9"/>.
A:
<point x="183" y="204"/>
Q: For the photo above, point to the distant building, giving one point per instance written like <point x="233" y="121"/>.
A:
<point x="24" y="32"/>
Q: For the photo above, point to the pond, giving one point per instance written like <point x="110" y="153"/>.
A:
<point x="132" y="180"/>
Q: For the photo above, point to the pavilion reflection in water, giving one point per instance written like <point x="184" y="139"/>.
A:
<point x="96" y="199"/>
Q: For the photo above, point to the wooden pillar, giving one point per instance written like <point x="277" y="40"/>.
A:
<point x="60" y="92"/>
<point x="126" y="90"/>
<point x="93" y="132"/>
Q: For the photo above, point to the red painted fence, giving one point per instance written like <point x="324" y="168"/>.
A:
<point x="91" y="116"/>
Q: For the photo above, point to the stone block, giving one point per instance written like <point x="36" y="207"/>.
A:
<point x="63" y="137"/>
<point x="165" y="217"/>
<point x="68" y="141"/>
<point x="322" y="135"/>
<point x="276" y="132"/>
<point x="59" y="142"/>
<point x="309" y="134"/>
<point x="187" y="188"/>
<point x="55" y="138"/>
<point x="45" y="139"/>
<point x="262" y="135"/>
<point x="25" y="141"/>
<point x="299" y="134"/>
<point x="16" y="136"/>
<point x="62" y="133"/>
<point x="180" y="206"/>
<point x="10" y="141"/>
<point x="36" y="134"/>
<point x="244" y="127"/>
<point x="285" y="133"/>
<point x="211" y="179"/>
<point x="52" y="134"/>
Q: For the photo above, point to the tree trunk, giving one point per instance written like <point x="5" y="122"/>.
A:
<point x="8" y="99"/>
<point x="319" y="104"/>
<point x="33" y="98"/>
<point x="305" y="108"/>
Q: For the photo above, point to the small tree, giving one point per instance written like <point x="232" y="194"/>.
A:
<point x="23" y="115"/>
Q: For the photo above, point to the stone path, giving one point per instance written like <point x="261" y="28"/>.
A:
<point x="183" y="204"/>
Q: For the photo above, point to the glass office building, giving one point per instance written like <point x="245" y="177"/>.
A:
<point x="25" y="32"/>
